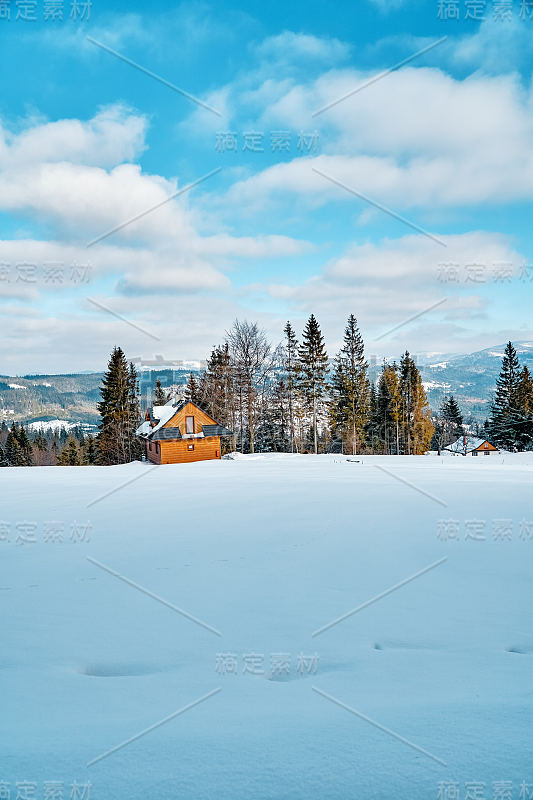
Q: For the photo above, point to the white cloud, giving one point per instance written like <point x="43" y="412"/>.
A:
<point x="289" y="47"/>
<point x="114" y="135"/>
<point x="386" y="284"/>
<point x="497" y="46"/>
<point x="382" y="284"/>
<point x="419" y="137"/>
<point x="56" y="173"/>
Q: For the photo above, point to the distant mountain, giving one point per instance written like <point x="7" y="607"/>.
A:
<point x="470" y="378"/>
<point x="72" y="398"/>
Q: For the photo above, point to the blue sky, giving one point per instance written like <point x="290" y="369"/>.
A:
<point x="415" y="190"/>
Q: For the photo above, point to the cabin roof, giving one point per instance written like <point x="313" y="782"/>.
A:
<point x="163" y="414"/>
<point x="471" y="443"/>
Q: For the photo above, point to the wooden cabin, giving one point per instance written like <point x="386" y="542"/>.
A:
<point x="472" y="446"/>
<point x="180" y="432"/>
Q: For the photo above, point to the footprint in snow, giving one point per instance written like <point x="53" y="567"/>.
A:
<point x="523" y="650"/>
<point x="116" y="670"/>
<point x="401" y="646"/>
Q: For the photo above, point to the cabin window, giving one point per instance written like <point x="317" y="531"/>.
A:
<point x="474" y="452"/>
<point x="486" y="445"/>
<point x="487" y="452"/>
<point x="190" y="447"/>
<point x="189" y="424"/>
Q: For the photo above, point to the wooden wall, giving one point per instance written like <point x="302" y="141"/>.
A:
<point x="152" y="453"/>
<point x="178" y="453"/>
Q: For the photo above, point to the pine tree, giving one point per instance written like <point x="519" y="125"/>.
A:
<point x="13" y="451"/>
<point x="4" y="430"/>
<point x="452" y="414"/>
<point x="416" y="428"/>
<point x="351" y="388"/>
<point x="70" y="455"/>
<point x="40" y="442"/>
<point x="135" y="448"/>
<point x="217" y="389"/>
<point x="291" y="357"/>
<point x="372" y="426"/>
<point x="504" y="419"/>
<point x="272" y="433"/>
<point x="312" y="371"/>
<point x="119" y="411"/>
<point x="90" y="452"/>
<point x="192" y="391"/>
<point x="448" y="424"/>
<point x="279" y="414"/>
<point x="525" y="410"/>
<point x="160" y="396"/>
<point x="25" y="446"/>
<point x="387" y="421"/>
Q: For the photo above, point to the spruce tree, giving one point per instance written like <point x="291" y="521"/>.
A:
<point x="217" y="387"/>
<point x="13" y="451"/>
<point x="525" y="410"/>
<point x="279" y="405"/>
<point x="453" y="415"/>
<point x="448" y="424"/>
<point x="416" y="428"/>
<point x="291" y="360"/>
<point x="69" y="455"/>
<point x="372" y="426"/>
<point x="504" y="419"/>
<point x="192" y="391"/>
<point x="4" y="430"/>
<point x="135" y="449"/>
<point x="160" y="396"/>
<point x="25" y="446"/>
<point x="40" y="442"/>
<point x="350" y="387"/>
<point x="388" y="410"/>
<point x="312" y="371"/>
<point x="119" y="412"/>
<point x="90" y="452"/>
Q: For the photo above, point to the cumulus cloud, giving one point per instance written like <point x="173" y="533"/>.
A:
<point x="388" y="283"/>
<point x="419" y="137"/>
<point x="114" y="135"/>
<point x="76" y="177"/>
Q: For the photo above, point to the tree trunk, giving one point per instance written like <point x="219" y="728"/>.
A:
<point x="397" y="438"/>
<point x="250" y="417"/>
<point x="314" y="424"/>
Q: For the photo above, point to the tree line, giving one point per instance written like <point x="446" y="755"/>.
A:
<point x="46" y="447"/>
<point x="292" y="398"/>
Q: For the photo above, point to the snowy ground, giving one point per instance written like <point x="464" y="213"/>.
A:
<point x="428" y="685"/>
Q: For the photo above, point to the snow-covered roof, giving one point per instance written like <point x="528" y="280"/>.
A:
<point x="163" y="414"/>
<point x="160" y="413"/>
<point x="463" y="445"/>
<point x="143" y="429"/>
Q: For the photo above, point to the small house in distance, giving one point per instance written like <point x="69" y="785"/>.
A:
<point x="471" y="446"/>
<point x="179" y="433"/>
